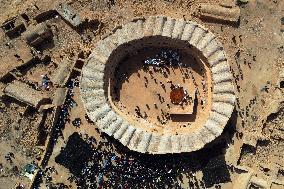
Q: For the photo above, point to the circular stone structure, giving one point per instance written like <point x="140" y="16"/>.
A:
<point x="159" y="85"/>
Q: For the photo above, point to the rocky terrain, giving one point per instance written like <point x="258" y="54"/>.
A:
<point x="48" y="141"/>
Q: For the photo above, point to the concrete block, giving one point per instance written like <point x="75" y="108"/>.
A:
<point x="188" y="31"/>
<point x="224" y="87"/>
<point x="168" y="27"/>
<point x="221" y="67"/>
<point x="205" y="40"/>
<point x="159" y="25"/>
<point x="114" y="126"/>
<point x="24" y="93"/>
<point x="212" y="47"/>
<point x="121" y="130"/>
<point x="149" y="26"/>
<point x="145" y="141"/>
<point x="217" y="12"/>
<point x="127" y="135"/>
<point x="223" y="108"/>
<point x="222" y="77"/>
<point x="68" y="14"/>
<point x="224" y="97"/>
<point x="197" y="34"/>
<point x="216" y="58"/>
<point x="178" y="29"/>
<point x="165" y="145"/>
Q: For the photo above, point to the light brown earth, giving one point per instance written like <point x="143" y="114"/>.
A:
<point x="255" y="48"/>
<point x="141" y="96"/>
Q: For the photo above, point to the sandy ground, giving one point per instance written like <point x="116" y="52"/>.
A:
<point x="155" y="104"/>
<point x="253" y="138"/>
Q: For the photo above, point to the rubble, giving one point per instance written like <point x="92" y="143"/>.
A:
<point x="101" y="4"/>
<point x="258" y="182"/>
<point x="14" y="27"/>
<point x="248" y="179"/>
<point x="250" y="139"/>
<point x="14" y="59"/>
<point x="68" y="14"/>
<point x="62" y="73"/>
<point x="281" y="79"/>
<point x="228" y="3"/>
<point x="221" y="13"/>
<point x="24" y="93"/>
<point x="242" y="182"/>
<point x="2" y="86"/>
<point x="65" y="73"/>
<point x="38" y="34"/>
<point x="59" y="96"/>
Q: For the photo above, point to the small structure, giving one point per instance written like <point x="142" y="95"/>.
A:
<point x="182" y="102"/>
<point x="29" y="171"/>
<point x="138" y="133"/>
<point x="24" y="93"/>
<point x="14" y="27"/>
<point x="68" y="14"/>
<point x="62" y="72"/>
<point x="59" y="96"/>
<point x="247" y="178"/>
<point x="220" y="12"/>
<point x="38" y="34"/>
<point x="281" y="79"/>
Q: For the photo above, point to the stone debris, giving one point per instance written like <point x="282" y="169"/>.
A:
<point x="242" y="182"/>
<point x="101" y="4"/>
<point x="250" y="139"/>
<point x="254" y="131"/>
<point x="243" y="1"/>
<point x="2" y="87"/>
<point x="281" y="79"/>
<point x="14" y="27"/>
<point x="11" y="62"/>
<point x="59" y="96"/>
<point x="69" y="14"/>
<point x="38" y="34"/>
<point x="62" y="72"/>
<point x="24" y="93"/>
<point x="221" y="13"/>
<point x="259" y="182"/>
<point x="228" y="3"/>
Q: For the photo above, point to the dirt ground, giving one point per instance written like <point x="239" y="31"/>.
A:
<point x="250" y="148"/>
<point x="155" y="103"/>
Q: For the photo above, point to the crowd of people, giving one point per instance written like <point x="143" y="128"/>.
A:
<point x="164" y="57"/>
<point x="111" y="165"/>
<point x="108" y="164"/>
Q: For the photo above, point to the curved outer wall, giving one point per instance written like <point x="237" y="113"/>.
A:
<point x="100" y="111"/>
